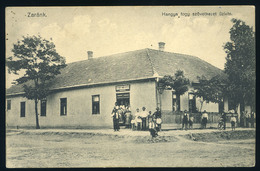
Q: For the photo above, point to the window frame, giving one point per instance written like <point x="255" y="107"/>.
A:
<point x="9" y="105"/>
<point x="62" y="104"/>
<point x="96" y="112"/>
<point x="22" y="114"/>
<point x="177" y="100"/>
<point x="45" y="114"/>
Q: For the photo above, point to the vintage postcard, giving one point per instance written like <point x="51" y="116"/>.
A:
<point x="130" y="86"/>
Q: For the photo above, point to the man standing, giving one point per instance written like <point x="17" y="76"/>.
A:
<point x="233" y="121"/>
<point x="185" y="120"/>
<point x="144" y="115"/>
<point x="224" y="118"/>
<point x="115" y="115"/>
<point x="204" y="119"/>
<point x="247" y="115"/>
<point x="191" y="120"/>
<point x="252" y="119"/>
<point x="138" y="119"/>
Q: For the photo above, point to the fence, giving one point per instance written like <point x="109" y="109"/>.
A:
<point x="176" y="117"/>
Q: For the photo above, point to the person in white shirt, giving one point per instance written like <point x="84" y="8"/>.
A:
<point x="233" y="121"/>
<point x="152" y="128"/>
<point x="204" y="119"/>
<point x="144" y="114"/>
<point x="138" y="119"/>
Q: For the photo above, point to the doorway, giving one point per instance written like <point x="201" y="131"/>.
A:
<point x="123" y="99"/>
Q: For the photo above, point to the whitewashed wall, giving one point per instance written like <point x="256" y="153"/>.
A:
<point x="79" y="106"/>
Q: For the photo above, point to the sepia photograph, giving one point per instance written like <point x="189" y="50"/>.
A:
<point x="130" y="86"/>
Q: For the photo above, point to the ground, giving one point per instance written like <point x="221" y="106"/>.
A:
<point x="105" y="148"/>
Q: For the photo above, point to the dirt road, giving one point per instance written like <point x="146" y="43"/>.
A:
<point x="86" y="149"/>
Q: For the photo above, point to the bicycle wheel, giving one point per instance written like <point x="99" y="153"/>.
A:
<point x="220" y="126"/>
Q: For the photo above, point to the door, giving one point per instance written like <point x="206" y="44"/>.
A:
<point x="122" y="99"/>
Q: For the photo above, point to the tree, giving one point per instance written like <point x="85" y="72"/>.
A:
<point x="240" y="64"/>
<point x="178" y="82"/>
<point x="38" y="58"/>
<point x="210" y="90"/>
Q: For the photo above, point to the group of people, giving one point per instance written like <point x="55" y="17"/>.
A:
<point x="249" y="118"/>
<point x="137" y="121"/>
<point x="233" y="120"/>
<point x="121" y="113"/>
<point x="187" y="119"/>
<point x="143" y="120"/>
<point x="140" y="120"/>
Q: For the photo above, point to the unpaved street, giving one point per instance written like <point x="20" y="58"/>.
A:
<point x="92" y="149"/>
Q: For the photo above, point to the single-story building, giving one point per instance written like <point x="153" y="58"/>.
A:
<point x="84" y="94"/>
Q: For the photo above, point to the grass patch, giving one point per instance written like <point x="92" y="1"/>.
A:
<point x="221" y="135"/>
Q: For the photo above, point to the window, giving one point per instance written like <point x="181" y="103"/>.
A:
<point x="221" y="107"/>
<point x="192" y="103"/>
<point x="43" y="107"/>
<point x="63" y="106"/>
<point x="95" y="104"/>
<point x="175" y="102"/>
<point x="22" y="110"/>
<point x="8" y="104"/>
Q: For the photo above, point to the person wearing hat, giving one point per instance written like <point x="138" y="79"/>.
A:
<point x="185" y="119"/>
<point x="204" y="119"/>
<point x="115" y="116"/>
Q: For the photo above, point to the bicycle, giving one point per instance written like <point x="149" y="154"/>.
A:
<point x="221" y="124"/>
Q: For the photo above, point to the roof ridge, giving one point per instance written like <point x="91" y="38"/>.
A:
<point x="152" y="65"/>
<point x="188" y="56"/>
<point x="108" y="56"/>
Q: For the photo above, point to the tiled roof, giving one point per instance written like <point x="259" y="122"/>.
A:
<point x="132" y="65"/>
<point x="167" y="63"/>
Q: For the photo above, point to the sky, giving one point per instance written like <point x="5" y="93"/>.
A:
<point x="112" y="30"/>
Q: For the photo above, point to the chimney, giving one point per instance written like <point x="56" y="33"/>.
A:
<point x="161" y="46"/>
<point x="90" y="54"/>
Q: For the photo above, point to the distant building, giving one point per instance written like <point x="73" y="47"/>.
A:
<point x="84" y="94"/>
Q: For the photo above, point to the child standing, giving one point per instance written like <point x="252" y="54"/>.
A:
<point x="152" y="128"/>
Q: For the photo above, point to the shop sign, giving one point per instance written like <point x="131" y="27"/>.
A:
<point x="230" y="114"/>
<point x="125" y="87"/>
